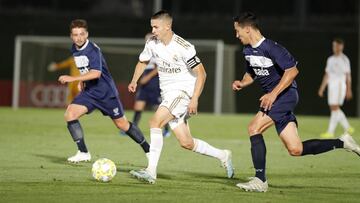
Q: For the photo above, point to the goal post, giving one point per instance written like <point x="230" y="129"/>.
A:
<point x="34" y="86"/>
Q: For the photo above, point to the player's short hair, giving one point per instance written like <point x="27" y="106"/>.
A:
<point x="162" y="14"/>
<point x="339" y="40"/>
<point x="247" y="19"/>
<point x="78" y="23"/>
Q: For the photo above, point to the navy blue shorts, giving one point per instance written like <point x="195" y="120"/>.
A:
<point x="282" y="109"/>
<point x="149" y="92"/>
<point x="151" y="95"/>
<point x="110" y="106"/>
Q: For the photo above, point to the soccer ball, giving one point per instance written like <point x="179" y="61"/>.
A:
<point x="103" y="170"/>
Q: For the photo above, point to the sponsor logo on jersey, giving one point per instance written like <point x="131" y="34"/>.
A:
<point x="169" y="70"/>
<point x="166" y="68"/>
<point x="81" y="61"/>
<point x="261" y="72"/>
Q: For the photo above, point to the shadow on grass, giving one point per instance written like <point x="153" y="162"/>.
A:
<point x="61" y="160"/>
<point x="208" y="178"/>
<point x="302" y="187"/>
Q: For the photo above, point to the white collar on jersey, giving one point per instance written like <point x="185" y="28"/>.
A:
<point x="84" y="46"/>
<point x="258" y="43"/>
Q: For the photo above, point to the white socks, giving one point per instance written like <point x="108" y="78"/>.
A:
<point x="342" y="119"/>
<point x="338" y="116"/>
<point x="156" y="144"/>
<point x="333" y="122"/>
<point x="204" y="148"/>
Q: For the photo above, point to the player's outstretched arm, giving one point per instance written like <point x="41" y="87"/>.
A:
<point x="139" y="70"/>
<point x="200" y="73"/>
<point x="246" y="81"/>
<point x="92" y="74"/>
<point x="323" y="85"/>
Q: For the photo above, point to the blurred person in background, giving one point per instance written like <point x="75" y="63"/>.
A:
<point x="337" y="79"/>
<point x="69" y="63"/>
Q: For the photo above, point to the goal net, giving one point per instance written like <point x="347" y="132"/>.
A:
<point x="35" y="86"/>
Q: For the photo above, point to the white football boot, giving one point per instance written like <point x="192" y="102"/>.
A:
<point x="350" y="144"/>
<point x="143" y="175"/>
<point x="79" y="157"/>
<point x="227" y="164"/>
<point x="254" y="185"/>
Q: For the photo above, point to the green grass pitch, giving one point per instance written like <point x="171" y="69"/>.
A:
<point x="34" y="146"/>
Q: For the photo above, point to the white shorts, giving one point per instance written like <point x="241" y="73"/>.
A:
<point x="336" y="93"/>
<point x="177" y="103"/>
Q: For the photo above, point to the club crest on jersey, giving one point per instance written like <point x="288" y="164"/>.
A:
<point x="116" y="111"/>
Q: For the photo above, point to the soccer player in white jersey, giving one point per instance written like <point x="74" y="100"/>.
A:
<point x="337" y="78"/>
<point x="148" y="93"/>
<point x="182" y="77"/>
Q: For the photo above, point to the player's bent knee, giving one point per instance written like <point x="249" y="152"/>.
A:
<point x="253" y="129"/>
<point x="295" y="151"/>
<point x="70" y="116"/>
<point x="122" y="124"/>
<point x="189" y="145"/>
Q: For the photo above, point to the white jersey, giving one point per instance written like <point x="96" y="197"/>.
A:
<point x="337" y="67"/>
<point x="151" y="65"/>
<point x="174" y="62"/>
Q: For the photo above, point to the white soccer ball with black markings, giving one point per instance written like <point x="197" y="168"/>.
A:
<point x="103" y="170"/>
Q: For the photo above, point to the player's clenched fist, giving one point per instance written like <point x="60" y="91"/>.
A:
<point x="65" y="78"/>
<point x="237" y="85"/>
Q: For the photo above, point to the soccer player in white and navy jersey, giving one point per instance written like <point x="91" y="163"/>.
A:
<point x="275" y="69"/>
<point x="182" y="77"/>
<point x="337" y="78"/>
<point x="98" y="91"/>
